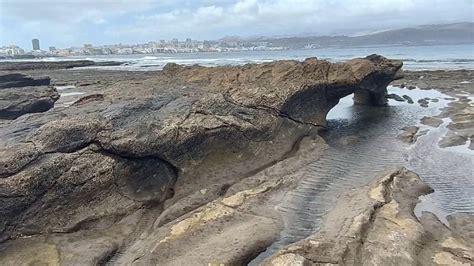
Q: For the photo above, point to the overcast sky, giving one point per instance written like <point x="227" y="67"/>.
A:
<point x="65" y="23"/>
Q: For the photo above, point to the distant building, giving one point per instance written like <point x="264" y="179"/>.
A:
<point x="36" y="44"/>
<point x="52" y="48"/>
<point x="88" y="46"/>
<point x="188" y="40"/>
<point x="175" y="41"/>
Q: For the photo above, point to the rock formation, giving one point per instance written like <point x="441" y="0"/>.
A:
<point x="20" y="94"/>
<point x="164" y="147"/>
<point x="377" y="227"/>
<point x="20" y="66"/>
<point x="13" y="80"/>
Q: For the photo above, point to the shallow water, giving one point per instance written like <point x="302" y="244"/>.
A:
<point x="69" y="95"/>
<point x="363" y="143"/>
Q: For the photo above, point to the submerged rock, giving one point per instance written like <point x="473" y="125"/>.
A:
<point x="409" y="134"/>
<point x="423" y="102"/>
<point x="452" y="139"/>
<point x="431" y="121"/>
<point x="408" y="98"/>
<point x="396" y="97"/>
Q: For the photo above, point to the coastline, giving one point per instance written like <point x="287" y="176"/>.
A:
<point x="239" y="210"/>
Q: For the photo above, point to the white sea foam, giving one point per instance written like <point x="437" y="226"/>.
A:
<point x="74" y="93"/>
<point x="66" y="87"/>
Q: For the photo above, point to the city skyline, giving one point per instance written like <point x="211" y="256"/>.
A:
<point x="104" y="21"/>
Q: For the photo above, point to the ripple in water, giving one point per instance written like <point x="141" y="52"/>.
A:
<point x="363" y="143"/>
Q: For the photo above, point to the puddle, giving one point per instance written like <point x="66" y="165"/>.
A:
<point x="66" y="87"/>
<point x="67" y="94"/>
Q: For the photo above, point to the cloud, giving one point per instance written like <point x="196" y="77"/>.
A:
<point x="127" y="21"/>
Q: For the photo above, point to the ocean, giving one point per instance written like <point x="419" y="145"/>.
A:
<point x="446" y="57"/>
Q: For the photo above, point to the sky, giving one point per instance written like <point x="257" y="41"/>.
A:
<point x="66" y="23"/>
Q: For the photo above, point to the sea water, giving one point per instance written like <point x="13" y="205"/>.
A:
<point x="414" y="57"/>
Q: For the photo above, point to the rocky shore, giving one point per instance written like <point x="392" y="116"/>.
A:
<point x="185" y="165"/>
<point x="376" y="226"/>
<point x="52" y="65"/>
<point x="459" y="85"/>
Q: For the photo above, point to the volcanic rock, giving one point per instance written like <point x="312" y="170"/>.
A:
<point x="15" y="102"/>
<point x="20" y="66"/>
<point x="13" y="80"/>
<point x="409" y="134"/>
<point x="396" y="97"/>
<point x="163" y="141"/>
<point x="377" y="227"/>
<point x="431" y="121"/>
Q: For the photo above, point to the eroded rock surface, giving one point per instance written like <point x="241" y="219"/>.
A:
<point x="20" y="66"/>
<point x="21" y="94"/>
<point x="13" y="80"/>
<point x="164" y="147"/>
<point x="377" y="226"/>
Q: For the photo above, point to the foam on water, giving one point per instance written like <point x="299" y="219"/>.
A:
<point x="73" y="93"/>
<point x="66" y="87"/>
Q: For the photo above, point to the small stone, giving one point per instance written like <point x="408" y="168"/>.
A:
<point x="423" y="102"/>
<point x="395" y="97"/>
<point x="408" y="98"/>
<point x="409" y="134"/>
<point x="451" y="139"/>
<point x="431" y="121"/>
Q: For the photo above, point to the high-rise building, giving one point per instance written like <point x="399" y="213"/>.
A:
<point x="36" y="44"/>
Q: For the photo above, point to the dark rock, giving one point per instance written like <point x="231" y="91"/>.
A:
<point x="136" y="145"/>
<point x="423" y="102"/>
<point x="395" y="97"/>
<point x="431" y="121"/>
<point x="411" y="87"/>
<point x="15" y="102"/>
<point x="13" y="80"/>
<point x="452" y="139"/>
<point x="18" y="66"/>
<point x="408" y="98"/>
<point x="409" y="134"/>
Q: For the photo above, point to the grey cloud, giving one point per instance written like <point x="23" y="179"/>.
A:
<point x="151" y="20"/>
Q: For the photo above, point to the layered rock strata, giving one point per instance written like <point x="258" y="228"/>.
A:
<point x="376" y="226"/>
<point x="161" y="148"/>
<point x="20" y="94"/>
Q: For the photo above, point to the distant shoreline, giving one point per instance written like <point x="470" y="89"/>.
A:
<point x="27" y="56"/>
